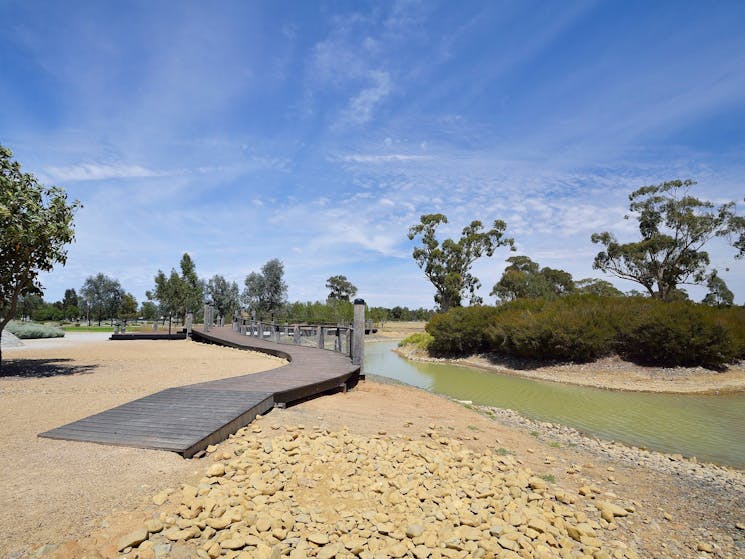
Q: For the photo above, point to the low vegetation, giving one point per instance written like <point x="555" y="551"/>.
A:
<point x="420" y="340"/>
<point x="583" y="328"/>
<point x="33" y="330"/>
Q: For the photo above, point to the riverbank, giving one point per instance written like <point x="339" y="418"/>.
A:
<point x="610" y="373"/>
<point x="312" y="470"/>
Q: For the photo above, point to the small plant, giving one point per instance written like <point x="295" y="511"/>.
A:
<point x="473" y="428"/>
<point x="420" y="340"/>
<point x="534" y="433"/>
<point x="549" y="478"/>
<point x="501" y="451"/>
<point x="554" y="444"/>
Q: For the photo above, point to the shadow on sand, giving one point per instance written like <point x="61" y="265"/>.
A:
<point x="42" y="368"/>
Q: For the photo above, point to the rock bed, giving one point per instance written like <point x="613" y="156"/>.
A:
<point x="315" y="493"/>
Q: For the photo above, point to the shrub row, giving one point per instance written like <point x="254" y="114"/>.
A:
<point x="31" y="330"/>
<point x="583" y="328"/>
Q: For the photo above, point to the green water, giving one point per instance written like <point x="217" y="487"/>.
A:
<point x="712" y="428"/>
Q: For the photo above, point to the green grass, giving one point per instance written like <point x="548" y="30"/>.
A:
<point x="534" y="433"/>
<point x="33" y="330"/>
<point x="473" y="428"/>
<point x="421" y="340"/>
<point x="102" y="328"/>
<point x="554" y="444"/>
<point x="501" y="451"/>
<point x="549" y="478"/>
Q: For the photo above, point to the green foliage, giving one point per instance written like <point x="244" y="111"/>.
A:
<point x="594" y="286"/>
<point x="48" y="312"/>
<point x="224" y="295"/>
<point x="266" y="292"/>
<point x="461" y="331"/>
<point x="178" y="294"/>
<point x="341" y="288"/>
<point x="448" y="265"/>
<point x="676" y="334"/>
<point x="524" y="278"/>
<point x="719" y="294"/>
<point x="102" y="296"/>
<point x="421" y="340"/>
<point x="583" y="328"/>
<point x="36" y="225"/>
<point x="674" y="229"/>
<point x="33" y="330"/>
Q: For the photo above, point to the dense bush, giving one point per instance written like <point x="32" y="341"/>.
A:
<point x="583" y="328"/>
<point x="461" y="331"/>
<point x="31" y="330"/>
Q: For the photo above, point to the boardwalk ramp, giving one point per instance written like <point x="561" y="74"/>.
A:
<point x="187" y="419"/>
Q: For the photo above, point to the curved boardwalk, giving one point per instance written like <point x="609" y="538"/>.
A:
<point x="189" y="418"/>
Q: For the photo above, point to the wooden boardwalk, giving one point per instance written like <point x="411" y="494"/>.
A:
<point x="189" y="418"/>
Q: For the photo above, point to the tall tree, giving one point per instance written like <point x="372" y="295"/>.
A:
<point x="70" y="305"/>
<point x="128" y="306"/>
<point x="341" y="288"/>
<point x="224" y="295"/>
<point x="597" y="287"/>
<point x="675" y="227"/>
<point x="177" y="294"/>
<point x="103" y="296"/>
<point x="448" y="265"/>
<point x="524" y="278"/>
<point x="266" y="291"/>
<point x="36" y="225"/>
<point x="719" y="294"/>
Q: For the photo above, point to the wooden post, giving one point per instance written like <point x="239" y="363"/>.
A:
<point x="189" y="321"/>
<point x="321" y="341"/>
<point x="206" y="317"/>
<point x="358" y="346"/>
<point x="296" y="334"/>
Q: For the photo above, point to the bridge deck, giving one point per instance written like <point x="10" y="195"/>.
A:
<point x="189" y="418"/>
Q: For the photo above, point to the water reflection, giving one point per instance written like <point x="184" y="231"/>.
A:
<point x="709" y="427"/>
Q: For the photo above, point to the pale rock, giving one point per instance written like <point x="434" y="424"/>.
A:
<point x="133" y="539"/>
<point x="216" y="470"/>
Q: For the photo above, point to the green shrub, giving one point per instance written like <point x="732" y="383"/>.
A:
<point x="32" y="330"/>
<point x="583" y="328"/>
<point x="678" y="333"/>
<point x="461" y="331"/>
<point x="421" y="340"/>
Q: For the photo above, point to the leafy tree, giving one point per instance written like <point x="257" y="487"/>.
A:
<point x="524" y="278"/>
<point x="70" y="304"/>
<point x="266" y="291"/>
<point x="596" y="286"/>
<point x="27" y="304"/>
<point x="448" y="265"/>
<point x="149" y="310"/>
<point x="341" y="288"/>
<point x="36" y="225"/>
<point x="128" y="306"/>
<point x="103" y="296"/>
<point x="177" y="294"/>
<point x="675" y="227"/>
<point x="224" y="295"/>
<point x="719" y="294"/>
<point x="192" y="288"/>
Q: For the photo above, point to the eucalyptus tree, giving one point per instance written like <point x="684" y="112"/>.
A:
<point x="524" y="278"/>
<point x="224" y="294"/>
<point x="674" y="228"/>
<point x="178" y="294"/>
<point x="103" y="296"/>
<point x="266" y="291"/>
<point x="341" y="288"/>
<point x="447" y="265"/>
<point x="36" y="225"/>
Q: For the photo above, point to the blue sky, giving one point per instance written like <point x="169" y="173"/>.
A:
<point x="319" y="132"/>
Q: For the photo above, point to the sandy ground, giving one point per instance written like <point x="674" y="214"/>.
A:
<point x="89" y="495"/>
<point x="55" y="490"/>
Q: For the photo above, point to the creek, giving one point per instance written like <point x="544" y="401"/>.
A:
<point x="710" y="427"/>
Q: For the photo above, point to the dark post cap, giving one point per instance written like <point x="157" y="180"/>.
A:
<point x="359" y="301"/>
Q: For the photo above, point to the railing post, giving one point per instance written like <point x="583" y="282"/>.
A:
<point x="296" y="334"/>
<point x="189" y="322"/>
<point x="321" y="341"/>
<point x="358" y="346"/>
<point x="243" y="327"/>
<point x="206" y="317"/>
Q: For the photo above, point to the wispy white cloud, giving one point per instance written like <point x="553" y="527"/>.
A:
<point x="382" y="158"/>
<point x="99" y="171"/>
